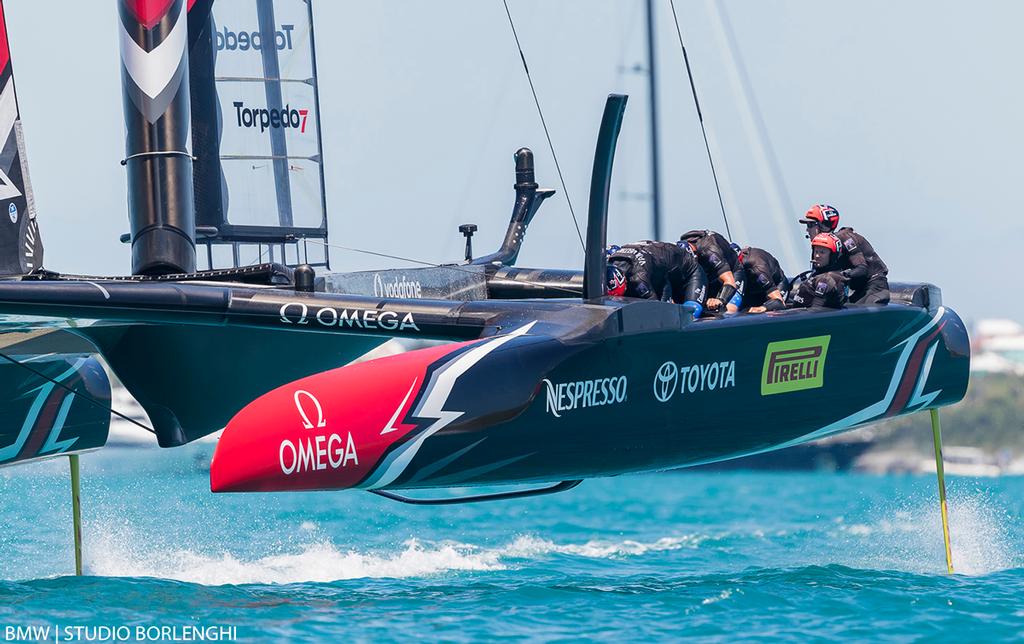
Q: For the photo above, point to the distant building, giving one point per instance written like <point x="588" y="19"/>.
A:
<point x="997" y="346"/>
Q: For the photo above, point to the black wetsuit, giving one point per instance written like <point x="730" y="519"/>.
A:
<point x="864" y="269"/>
<point x="824" y="290"/>
<point x="763" y="276"/>
<point x="651" y="266"/>
<point x="716" y="258"/>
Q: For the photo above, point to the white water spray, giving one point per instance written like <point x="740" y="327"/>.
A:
<point x="909" y="537"/>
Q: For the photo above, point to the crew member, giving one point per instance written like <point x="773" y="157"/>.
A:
<point x="765" y="285"/>
<point x="653" y="270"/>
<point x="864" y="270"/>
<point x="825" y="287"/>
<point x="722" y="267"/>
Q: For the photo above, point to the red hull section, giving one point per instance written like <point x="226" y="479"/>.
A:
<point x="327" y="431"/>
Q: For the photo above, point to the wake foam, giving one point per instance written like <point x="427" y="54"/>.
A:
<point x="529" y="547"/>
<point x="120" y="553"/>
<point x="312" y="562"/>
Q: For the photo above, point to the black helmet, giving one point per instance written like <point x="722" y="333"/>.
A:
<point x="693" y="235"/>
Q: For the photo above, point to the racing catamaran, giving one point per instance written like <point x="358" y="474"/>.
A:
<point x="535" y="375"/>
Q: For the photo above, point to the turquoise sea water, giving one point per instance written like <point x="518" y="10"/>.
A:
<point x="718" y="555"/>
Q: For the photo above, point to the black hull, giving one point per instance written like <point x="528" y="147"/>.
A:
<point x="864" y="371"/>
<point x="520" y="409"/>
<point x="831" y="456"/>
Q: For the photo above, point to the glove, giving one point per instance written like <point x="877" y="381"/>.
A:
<point x="697" y="308"/>
<point x="774" y="305"/>
<point x="737" y="300"/>
<point x="727" y="293"/>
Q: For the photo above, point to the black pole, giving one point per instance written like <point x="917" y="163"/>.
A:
<point x="652" y="85"/>
<point x="600" y="186"/>
<point x="275" y="101"/>
<point x="155" y="88"/>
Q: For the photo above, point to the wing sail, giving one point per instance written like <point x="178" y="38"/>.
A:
<point x="256" y="135"/>
<point x="21" y="248"/>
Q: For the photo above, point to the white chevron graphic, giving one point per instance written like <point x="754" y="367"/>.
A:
<point x="7" y="188"/>
<point x="8" y="117"/>
<point x="432" y="406"/>
<point x="8" y="112"/>
<point x="152" y="71"/>
<point x="390" y="427"/>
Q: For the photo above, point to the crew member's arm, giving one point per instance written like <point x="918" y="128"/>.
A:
<point x="690" y="289"/>
<point x="858" y="263"/>
<point x="734" y="303"/>
<point x="723" y="273"/>
<point x="814" y="293"/>
<point x="774" y="302"/>
<point x="763" y="282"/>
<point x="640" y="281"/>
<point x="826" y="294"/>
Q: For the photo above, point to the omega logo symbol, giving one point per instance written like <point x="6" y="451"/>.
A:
<point x="320" y="420"/>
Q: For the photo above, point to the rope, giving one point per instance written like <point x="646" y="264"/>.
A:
<point x="700" y="117"/>
<point x="543" y="122"/>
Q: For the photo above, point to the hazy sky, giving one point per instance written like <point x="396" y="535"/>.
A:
<point x="904" y="115"/>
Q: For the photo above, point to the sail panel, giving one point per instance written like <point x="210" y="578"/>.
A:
<point x="250" y="125"/>
<point x="21" y="248"/>
<point x="240" y="39"/>
<point x="256" y="131"/>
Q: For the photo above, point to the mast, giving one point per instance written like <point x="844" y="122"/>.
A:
<point x="652" y="86"/>
<point x="154" y="73"/>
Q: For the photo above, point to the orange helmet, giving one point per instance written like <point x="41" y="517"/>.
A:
<point x="825" y="216"/>
<point x="825" y="251"/>
<point x="827" y="240"/>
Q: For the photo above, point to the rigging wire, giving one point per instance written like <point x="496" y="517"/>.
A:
<point x="543" y="122"/>
<point x="700" y="117"/>
<point x="75" y="392"/>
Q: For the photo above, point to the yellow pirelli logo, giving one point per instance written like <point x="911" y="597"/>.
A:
<point x="794" y="365"/>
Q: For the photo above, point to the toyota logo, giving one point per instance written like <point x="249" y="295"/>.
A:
<point x="665" y="381"/>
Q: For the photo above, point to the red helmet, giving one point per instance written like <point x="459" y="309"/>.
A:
<point x="827" y="240"/>
<point x="616" y="281"/>
<point x="825" y="251"/>
<point x="822" y="214"/>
